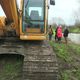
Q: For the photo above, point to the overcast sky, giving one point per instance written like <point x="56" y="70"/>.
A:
<point x="62" y="9"/>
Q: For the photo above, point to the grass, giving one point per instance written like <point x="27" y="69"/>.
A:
<point x="68" y="59"/>
<point x="10" y="68"/>
<point x="61" y="50"/>
<point x="74" y="30"/>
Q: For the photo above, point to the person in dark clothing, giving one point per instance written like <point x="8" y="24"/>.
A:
<point x="65" y="34"/>
<point x="50" y="33"/>
<point x="56" y="38"/>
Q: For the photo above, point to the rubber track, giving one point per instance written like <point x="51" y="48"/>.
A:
<point x="40" y="61"/>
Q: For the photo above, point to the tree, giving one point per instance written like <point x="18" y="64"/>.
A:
<point x="77" y="16"/>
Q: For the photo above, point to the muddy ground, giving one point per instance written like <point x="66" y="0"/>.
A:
<point x="68" y="56"/>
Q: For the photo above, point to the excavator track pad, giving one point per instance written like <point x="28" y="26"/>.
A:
<point x="40" y="61"/>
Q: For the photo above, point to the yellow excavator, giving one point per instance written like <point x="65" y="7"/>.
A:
<point x="29" y="22"/>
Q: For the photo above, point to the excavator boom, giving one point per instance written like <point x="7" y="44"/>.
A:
<point x="10" y="9"/>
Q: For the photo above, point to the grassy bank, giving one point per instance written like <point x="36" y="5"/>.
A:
<point x="68" y="59"/>
<point x="74" y="30"/>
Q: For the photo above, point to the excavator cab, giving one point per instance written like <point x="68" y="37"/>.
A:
<point x="34" y="20"/>
<point x="33" y="25"/>
<point x="33" y="16"/>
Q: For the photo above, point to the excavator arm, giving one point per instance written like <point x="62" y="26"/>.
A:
<point x="10" y="9"/>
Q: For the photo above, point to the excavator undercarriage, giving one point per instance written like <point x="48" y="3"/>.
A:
<point x="40" y="61"/>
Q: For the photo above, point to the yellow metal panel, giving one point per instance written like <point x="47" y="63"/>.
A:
<point x="2" y="24"/>
<point x="15" y="15"/>
<point x="33" y="30"/>
<point x="10" y="9"/>
<point x="2" y="21"/>
<point x="29" y="37"/>
<point x="46" y="15"/>
<point x="20" y="19"/>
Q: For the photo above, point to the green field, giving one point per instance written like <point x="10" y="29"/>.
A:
<point x="74" y="30"/>
<point x="68" y="56"/>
